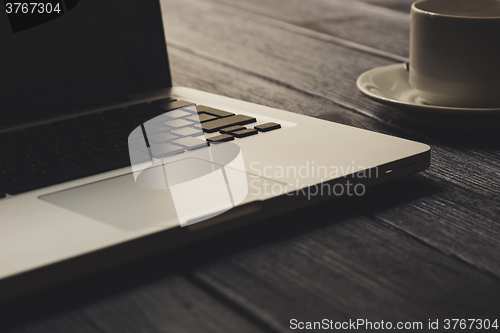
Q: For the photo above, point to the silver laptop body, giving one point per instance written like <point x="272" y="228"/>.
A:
<point x="78" y="226"/>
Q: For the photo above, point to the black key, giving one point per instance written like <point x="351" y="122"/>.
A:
<point x="217" y="125"/>
<point x="140" y="157"/>
<point x="136" y="143"/>
<point x="161" y="138"/>
<point x="63" y="123"/>
<point x="245" y="133"/>
<point x="139" y="106"/>
<point x="33" y="182"/>
<point x="187" y="131"/>
<point x="95" y="118"/>
<point x="6" y="172"/>
<point x="2" y="195"/>
<point x="55" y="164"/>
<point x="112" y="150"/>
<point x="13" y="136"/>
<point x="177" y="114"/>
<point x="28" y="171"/>
<point x="165" y="149"/>
<point x="221" y="138"/>
<point x="177" y="123"/>
<point x="163" y="100"/>
<point x="106" y="142"/>
<point x="117" y="113"/>
<point x="267" y="127"/>
<point x="214" y="112"/>
<point x="201" y="118"/>
<point x="190" y="143"/>
<point x="40" y="131"/>
<point x="86" y="157"/>
<point x="232" y="129"/>
<point x="146" y="114"/>
<point x="173" y="105"/>
<point x="155" y="128"/>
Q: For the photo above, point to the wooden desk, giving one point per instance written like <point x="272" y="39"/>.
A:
<point x="422" y="248"/>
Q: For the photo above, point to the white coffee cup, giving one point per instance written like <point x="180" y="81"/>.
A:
<point x="455" y="52"/>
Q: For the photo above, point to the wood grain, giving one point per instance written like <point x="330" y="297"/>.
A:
<point x="400" y="5"/>
<point x="449" y="208"/>
<point x="170" y="305"/>
<point x="348" y="267"/>
<point x="324" y="73"/>
<point x="421" y="248"/>
<point x="353" y="21"/>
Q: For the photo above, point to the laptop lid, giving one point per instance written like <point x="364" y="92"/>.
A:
<point x="98" y="52"/>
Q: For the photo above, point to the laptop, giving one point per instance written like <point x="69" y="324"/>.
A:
<point x="103" y="161"/>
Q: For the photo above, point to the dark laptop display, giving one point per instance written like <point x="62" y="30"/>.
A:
<point x="96" y="54"/>
<point x="90" y="55"/>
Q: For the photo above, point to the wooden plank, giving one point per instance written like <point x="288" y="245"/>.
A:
<point x="322" y="74"/>
<point x="172" y="304"/>
<point x="354" y="21"/>
<point x="273" y="284"/>
<point x="347" y="267"/>
<point x="457" y="222"/>
<point x="400" y="5"/>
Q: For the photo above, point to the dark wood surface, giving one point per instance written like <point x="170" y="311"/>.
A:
<point x="421" y="248"/>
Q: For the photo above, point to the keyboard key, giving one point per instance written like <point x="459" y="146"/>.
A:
<point x="187" y="131"/>
<point x="115" y="113"/>
<point x="173" y="105"/>
<point x="86" y="157"/>
<point x="158" y="120"/>
<point x="45" y="131"/>
<point x="201" y="118"/>
<point x="214" y="112"/>
<point x="232" y="129"/>
<point x="13" y="136"/>
<point x="112" y="150"/>
<point x="267" y="127"/>
<point x="138" y="157"/>
<point x="245" y="133"/>
<point x="96" y="118"/>
<point x="217" y="125"/>
<point x="15" y="185"/>
<point x="146" y="114"/>
<point x="190" y="143"/>
<point x="177" y="114"/>
<point x="139" y="106"/>
<point x="221" y="138"/>
<point x="163" y="100"/>
<point x="6" y="172"/>
<point x="156" y="129"/>
<point x="177" y="123"/>
<point x="136" y="143"/>
<point x="165" y="149"/>
<point x="161" y="138"/>
<point x="2" y="195"/>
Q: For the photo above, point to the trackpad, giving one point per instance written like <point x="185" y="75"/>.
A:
<point x="120" y="202"/>
<point x="179" y="193"/>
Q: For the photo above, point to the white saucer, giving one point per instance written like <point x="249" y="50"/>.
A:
<point x="389" y="85"/>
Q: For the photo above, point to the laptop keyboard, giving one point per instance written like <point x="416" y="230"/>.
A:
<point x="65" y="150"/>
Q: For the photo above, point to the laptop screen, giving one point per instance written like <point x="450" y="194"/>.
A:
<point x="95" y="52"/>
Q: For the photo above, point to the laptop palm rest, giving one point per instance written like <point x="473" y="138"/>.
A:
<point x="124" y="204"/>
